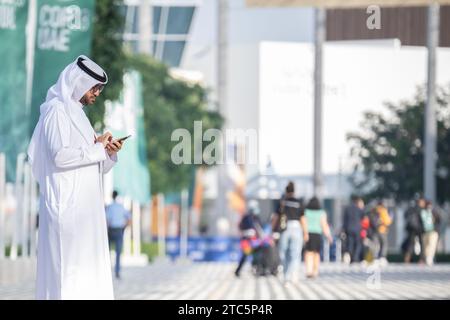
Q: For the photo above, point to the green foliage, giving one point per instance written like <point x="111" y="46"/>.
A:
<point x="389" y="150"/>
<point x="169" y="104"/>
<point x="150" y="249"/>
<point x="108" y="52"/>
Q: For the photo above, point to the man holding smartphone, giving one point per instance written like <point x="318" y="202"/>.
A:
<point x="68" y="160"/>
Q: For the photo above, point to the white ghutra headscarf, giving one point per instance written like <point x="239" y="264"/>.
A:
<point x="74" y="81"/>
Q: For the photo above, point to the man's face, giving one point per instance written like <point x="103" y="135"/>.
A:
<point x="360" y="204"/>
<point x="421" y="203"/>
<point x="90" y="96"/>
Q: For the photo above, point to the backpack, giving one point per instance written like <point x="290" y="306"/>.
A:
<point x="246" y="223"/>
<point x="413" y="220"/>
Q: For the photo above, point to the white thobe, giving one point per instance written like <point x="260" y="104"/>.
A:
<point x="73" y="253"/>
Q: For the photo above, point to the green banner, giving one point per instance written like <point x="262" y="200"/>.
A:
<point x="13" y="112"/>
<point x="125" y="117"/>
<point x="63" y="32"/>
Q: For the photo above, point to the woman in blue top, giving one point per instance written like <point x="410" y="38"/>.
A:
<point x="316" y="220"/>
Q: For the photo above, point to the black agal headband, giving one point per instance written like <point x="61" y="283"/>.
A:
<point x="90" y="72"/>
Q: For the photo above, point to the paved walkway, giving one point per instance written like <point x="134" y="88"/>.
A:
<point x="217" y="281"/>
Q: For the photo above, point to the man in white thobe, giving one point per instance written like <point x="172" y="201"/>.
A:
<point x="68" y="160"/>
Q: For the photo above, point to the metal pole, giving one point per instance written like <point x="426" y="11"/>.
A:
<point x="25" y="210"/>
<point x="136" y="230"/>
<point x="320" y="16"/>
<point x="2" y="204"/>
<point x="430" y="109"/>
<point x="31" y="38"/>
<point x="184" y="225"/>
<point x="222" y="47"/>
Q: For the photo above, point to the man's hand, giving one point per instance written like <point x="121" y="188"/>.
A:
<point x="113" y="147"/>
<point x="104" y="138"/>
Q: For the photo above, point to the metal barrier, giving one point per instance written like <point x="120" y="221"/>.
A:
<point x="22" y="224"/>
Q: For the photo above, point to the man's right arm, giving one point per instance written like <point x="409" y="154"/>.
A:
<point x="57" y="134"/>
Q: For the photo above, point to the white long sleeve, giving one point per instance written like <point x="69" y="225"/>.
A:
<point x="109" y="162"/>
<point x="57" y="135"/>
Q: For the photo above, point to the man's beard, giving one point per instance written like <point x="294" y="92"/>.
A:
<point x="83" y="101"/>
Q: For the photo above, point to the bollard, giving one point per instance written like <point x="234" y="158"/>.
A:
<point x="161" y="227"/>
<point x="184" y="224"/>
<point x="338" y="250"/>
<point x="136" y="230"/>
<point x="25" y="212"/>
<point x="2" y="204"/>
<point x="326" y="251"/>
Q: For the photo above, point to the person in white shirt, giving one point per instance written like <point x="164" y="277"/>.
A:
<point x="68" y="161"/>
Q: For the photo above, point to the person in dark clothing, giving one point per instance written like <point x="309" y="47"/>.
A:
<point x="292" y="226"/>
<point x="251" y="229"/>
<point x="352" y="228"/>
<point x="414" y="229"/>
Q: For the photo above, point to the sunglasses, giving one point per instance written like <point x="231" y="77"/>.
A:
<point x="97" y="87"/>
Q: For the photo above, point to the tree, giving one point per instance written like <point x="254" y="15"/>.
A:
<point x="169" y="104"/>
<point x="389" y="150"/>
<point x="108" y="52"/>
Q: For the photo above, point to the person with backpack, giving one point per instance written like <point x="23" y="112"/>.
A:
<point x="251" y="229"/>
<point x="431" y="219"/>
<point x="293" y="230"/>
<point x="414" y="229"/>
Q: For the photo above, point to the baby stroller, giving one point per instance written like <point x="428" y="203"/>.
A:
<point x="265" y="257"/>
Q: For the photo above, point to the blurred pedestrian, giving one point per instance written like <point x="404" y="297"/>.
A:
<point x="251" y="229"/>
<point x="367" y="246"/>
<point x="317" y="225"/>
<point x="118" y="218"/>
<point x="414" y="230"/>
<point x="352" y="228"/>
<point x="292" y="226"/>
<point x="431" y="219"/>
<point x="380" y="222"/>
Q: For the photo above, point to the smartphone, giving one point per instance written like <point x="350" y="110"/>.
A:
<point x="124" y="138"/>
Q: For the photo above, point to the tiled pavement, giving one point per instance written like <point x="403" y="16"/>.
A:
<point x="175" y="281"/>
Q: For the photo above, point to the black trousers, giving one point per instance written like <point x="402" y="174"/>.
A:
<point x="354" y="246"/>
<point x="241" y="262"/>
<point x="410" y="242"/>
<point x="115" y="235"/>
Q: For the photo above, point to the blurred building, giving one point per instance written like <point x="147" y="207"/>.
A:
<point x="269" y="78"/>
<point x="408" y="24"/>
<point x="163" y="24"/>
